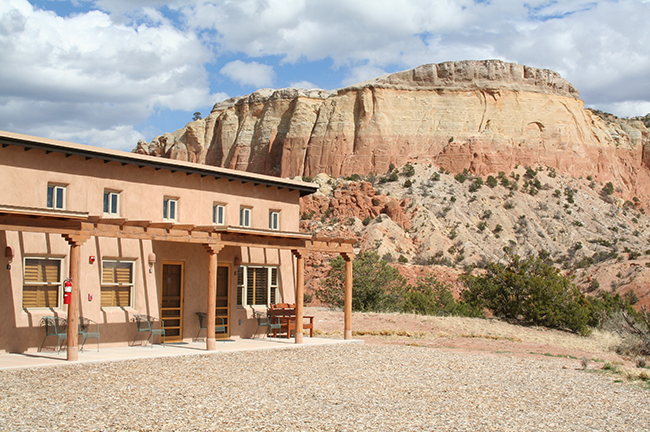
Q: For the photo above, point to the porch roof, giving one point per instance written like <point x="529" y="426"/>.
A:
<point x="84" y="225"/>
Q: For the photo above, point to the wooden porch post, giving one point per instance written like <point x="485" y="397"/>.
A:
<point x="300" y="292"/>
<point x="210" y="340"/>
<point x="75" y="242"/>
<point x="347" y="308"/>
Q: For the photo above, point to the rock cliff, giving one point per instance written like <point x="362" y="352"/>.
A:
<point x="483" y="116"/>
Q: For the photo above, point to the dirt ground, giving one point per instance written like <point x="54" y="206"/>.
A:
<point x="473" y="335"/>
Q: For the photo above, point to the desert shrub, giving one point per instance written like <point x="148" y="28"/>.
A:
<point x="306" y="216"/>
<point x="460" y="177"/>
<point x="402" y="259"/>
<point x="530" y="173"/>
<point x="634" y="329"/>
<point x="482" y="225"/>
<point x="435" y="176"/>
<point x="366" y="220"/>
<point x="608" y="189"/>
<point x="528" y="291"/>
<point x="353" y="177"/>
<point x="476" y="184"/>
<point x="497" y="229"/>
<point x="491" y="181"/>
<point x="376" y="285"/>
<point x="307" y="179"/>
<point x="408" y="183"/>
<point x="430" y="296"/>
<point x="408" y="170"/>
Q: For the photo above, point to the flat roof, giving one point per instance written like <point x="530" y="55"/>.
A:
<point x="109" y="155"/>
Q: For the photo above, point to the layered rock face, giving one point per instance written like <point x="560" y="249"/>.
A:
<point x="484" y="116"/>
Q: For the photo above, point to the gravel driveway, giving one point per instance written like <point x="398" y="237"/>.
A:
<point x="331" y="388"/>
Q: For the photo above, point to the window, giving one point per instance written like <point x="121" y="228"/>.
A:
<point x="170" y="209"/>
<point x="257" y="285"/>
<point x="219" y="214"/>
<point x="112" y="203"/>
<point x="117" y="283"/>
<point x="245" y="214"/>
<point x="42" y="280"/>
<point x="56" y="197"/>
<point x="274" y="220"/>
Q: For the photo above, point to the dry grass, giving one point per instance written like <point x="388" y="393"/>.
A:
<point x="395" y="325"/>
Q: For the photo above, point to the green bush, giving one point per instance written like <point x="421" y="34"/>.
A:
<point x="433" y="297"/>
<point x="529" y="291"/>
<point x="377" y="286"/>
<point x="366" y="220"/>
<point x="408" y="170"/>
<point x="460" y="177"/>
<point x="492" y="182"/>
<point x="476" y="184"/>
<point x="608" y="189"/>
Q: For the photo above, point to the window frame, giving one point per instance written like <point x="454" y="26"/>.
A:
<point x="112" y="212"/>
<point x="166" y="209"/>
<point x="245" y="215"/>
<point x="274" y="220"/>
<point x="113" y="285"/>
<point x="215" y="214"/>
<point x="52" y="200"/>
<point x="58" y="284"/>
<point x="272" y="285"/>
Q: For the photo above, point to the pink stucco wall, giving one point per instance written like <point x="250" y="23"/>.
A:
<point x="25" y="176"/>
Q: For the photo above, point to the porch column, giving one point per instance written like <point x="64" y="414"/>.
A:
<point x="75" y="242"/>
<point x="213" y="250"/>
<point x="300" y="292"/>
<point x="347" y="305"/>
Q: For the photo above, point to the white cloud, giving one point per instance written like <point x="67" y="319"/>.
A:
<point x="362" y="73"/>
<point x="249" y="74"/>
<point x="72" y="72"/>
<point x="303" y="85"/>
<point x="600" y="46"/>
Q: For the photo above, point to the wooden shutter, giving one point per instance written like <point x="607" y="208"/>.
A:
<point x="117" y="281"/>
<point x="42" y="280"/>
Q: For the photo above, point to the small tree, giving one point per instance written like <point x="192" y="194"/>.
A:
<point x="408" y="170"/>
<point x="196" y="116"/>
<point x="376" y="287"/>
<point x="531" y="291"/>
<point x="429" y="297"/>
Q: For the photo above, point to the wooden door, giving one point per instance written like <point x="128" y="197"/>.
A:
<point x="171" y="304"/>
<point x="223" y="297"/>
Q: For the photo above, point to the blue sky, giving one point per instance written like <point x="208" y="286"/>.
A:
<point x="111" y="72"/>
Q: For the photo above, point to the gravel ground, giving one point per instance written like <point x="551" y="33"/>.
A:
<point x="330" y="388"/>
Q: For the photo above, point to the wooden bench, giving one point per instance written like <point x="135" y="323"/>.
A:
<point x="285" y="314"/>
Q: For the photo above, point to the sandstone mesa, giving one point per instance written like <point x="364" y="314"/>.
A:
<point x="484" y="116"/>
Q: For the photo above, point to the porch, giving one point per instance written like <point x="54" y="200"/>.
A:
<point x="90" y="354"/>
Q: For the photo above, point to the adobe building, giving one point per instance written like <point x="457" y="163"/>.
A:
<point x="144" y="235"/>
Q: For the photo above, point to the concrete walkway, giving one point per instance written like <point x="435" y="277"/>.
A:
<point x="90" y="354"/>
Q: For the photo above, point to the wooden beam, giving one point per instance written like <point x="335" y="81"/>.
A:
<point x="300" y="293"/>
<point x="347" y="302"/>
<point x="256" y="240"/>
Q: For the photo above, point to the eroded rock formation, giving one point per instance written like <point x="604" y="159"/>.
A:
<point x="484" y="116"/>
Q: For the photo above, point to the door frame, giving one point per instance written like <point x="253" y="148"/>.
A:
<point x="229" y="266"/>
<point x="182" y="303"/>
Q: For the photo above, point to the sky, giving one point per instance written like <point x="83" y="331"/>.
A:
<point x="111" y="72"/>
